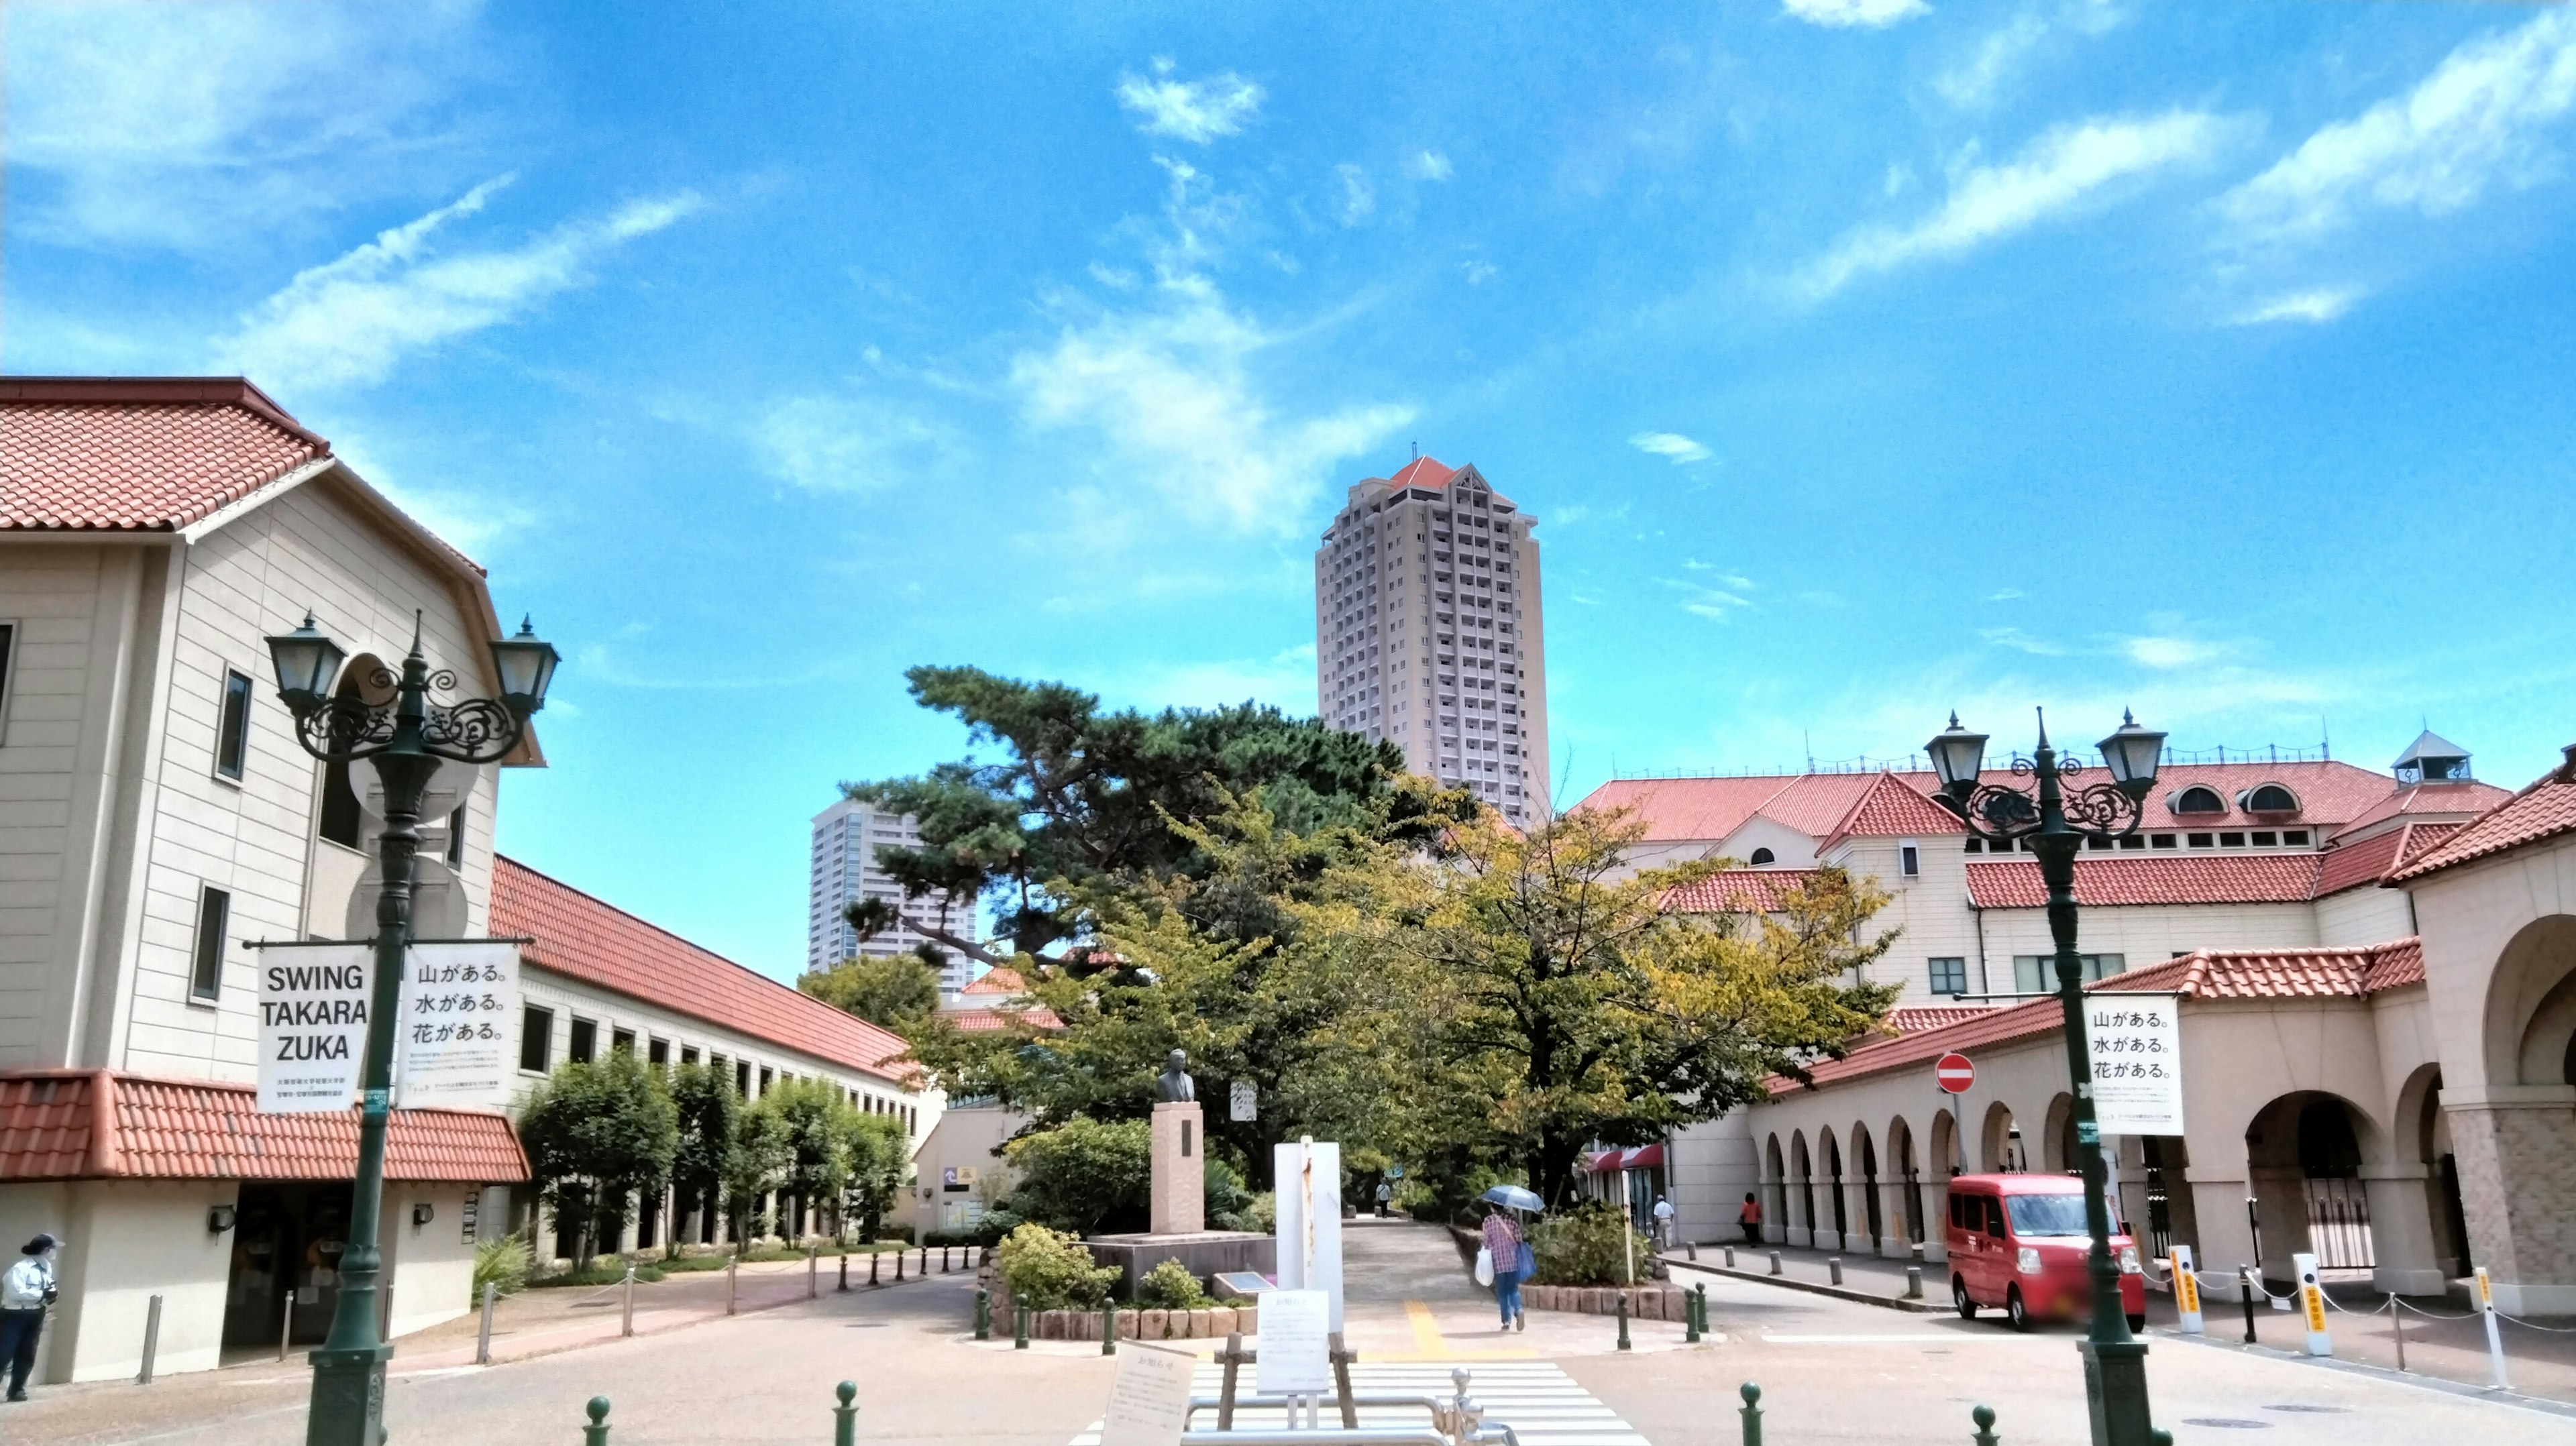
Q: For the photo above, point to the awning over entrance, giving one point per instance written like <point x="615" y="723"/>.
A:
<point x="107" y="1124"/>
<point x="1636" y="1157"/>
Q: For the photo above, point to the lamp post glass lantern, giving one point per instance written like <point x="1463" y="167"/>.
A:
<point x="407" y="736"/>
<point x="2054" y="823"/>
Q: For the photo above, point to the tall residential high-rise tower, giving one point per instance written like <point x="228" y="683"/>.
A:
<point x="1428" y="631"/>
<point x="846" y="839"/>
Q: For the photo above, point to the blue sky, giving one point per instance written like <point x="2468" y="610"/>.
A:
<point x="1861" y="358"/>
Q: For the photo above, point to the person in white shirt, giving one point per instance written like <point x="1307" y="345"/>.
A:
<point x="1663" y="1223"/>
<point x="26" y="1288"/>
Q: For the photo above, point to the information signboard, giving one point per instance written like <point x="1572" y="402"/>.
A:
<point x="312" y="1026"/>
<point x="1296" y="1350"/>
<point x="2136" y="1041"/>
<point x="1149" y="1400"/>
<point x="458" y="1030"/>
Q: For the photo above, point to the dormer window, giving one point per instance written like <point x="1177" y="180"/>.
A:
<point x="2198" y="799"/>
<point x="1763" y="856"/>
<point x="2269" y="798"/>
<point x="2431" y="758"/>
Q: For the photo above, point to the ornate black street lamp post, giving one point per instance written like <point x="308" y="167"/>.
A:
<point x="408" y="736"/>
<point x="2115" y="1363"/>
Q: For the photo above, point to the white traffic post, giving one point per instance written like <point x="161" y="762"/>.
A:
<point x="2186" y="1284"/>
<point x="2312" y="1304"/>
<point x="2495" y="1337"/>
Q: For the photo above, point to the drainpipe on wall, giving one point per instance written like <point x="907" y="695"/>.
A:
<point x="1986" y="986"/>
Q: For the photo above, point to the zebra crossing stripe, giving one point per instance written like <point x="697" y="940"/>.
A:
<point x="1540" y="1402"/>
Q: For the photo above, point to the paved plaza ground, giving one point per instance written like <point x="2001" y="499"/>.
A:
<point x="1831" y="1370"/>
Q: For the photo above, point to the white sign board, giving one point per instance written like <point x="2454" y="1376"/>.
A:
<point x="1296" y="1345"/>
<point x="1242" y="1100"/>
<point x="458" y="1032"/>
<point x="2137" y="1063"/>
<point x="1149" y="1401"/>
<point x="1307" y="1177"/>
<point x="312" y="1026"/>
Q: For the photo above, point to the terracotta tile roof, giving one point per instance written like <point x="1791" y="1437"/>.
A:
<point x="2455" y="801"/>
<point x="2546" y="809"/>
<point x="1814" y="803"/>
<point x="1686" y="808"/>
<point x="1422" y="472"/>
<point x="105" y="1124"/>
<point x="981" y="1021"/>
<point x="138" y="453"/>
<point x="1892" y="807"/>
<point x="601" y="944"/>
<point x="2204" y="974"/>
<point x="2372" y="860"/>
<point x="998" y="980"/>
<point x="1737" y="891"/>
<point x="1915" y="1018"/>
<point x="2182" y="879"/>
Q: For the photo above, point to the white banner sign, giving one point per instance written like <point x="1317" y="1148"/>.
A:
<point x="2137" y="1063"/>
<point x="312" y="1026"/>
<point x="1308" y="1174"/>
<point x="1296" y="1346"/>
<point x="458" y="1031"/>
<point x="1149" y="1400"/>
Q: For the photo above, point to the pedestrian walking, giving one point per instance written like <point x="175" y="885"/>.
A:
<point x="1510" y="1252"/>
<point x="1751" y="1218"/>
<point x="1385" y="1197"/>
<point x="1663" y="1223"/>
<point x="26" y="1289"/>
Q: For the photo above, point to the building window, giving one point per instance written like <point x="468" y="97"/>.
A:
<point x="2201" y="840"/>
<point x="1909" y="860"/>
<point x="536" y="1038"/>
<point x="658" y="1054"/>
<point x="1949" y="976"/>
<point x="2231" y="840"/>
<point x="585" y="1041"/>
<point x="2133" y="841"/>
<point x="214" y="915"/>
<point x="232" y="730"/>
<point x="8" y="635"/>
<point x="766" y="1075"/>
<point x="339" y="795"/>
<point x="456" y="838"/>
<point x="2199" y="800"/>
<point x="688" y="1054"/>
<point x="621" y="1041"/>
<point x="2037" y="973"/>
<point x="2265" y="840"/>
<point x="1761" y="856"/>
<point x="2268" y="798"/>
<point x="742" y="1077"/>
<point x="2295" y="836"/>
<point x="1975" y="846"/>
<point x="2162" y="840"/>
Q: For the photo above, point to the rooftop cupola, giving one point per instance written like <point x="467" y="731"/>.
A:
<point x="2432" y="758"/>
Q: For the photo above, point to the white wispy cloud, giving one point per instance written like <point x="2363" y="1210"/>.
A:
<point x="1671" y="446"/>
<point x="2476" y="122"/>
<point x="1478" y="272"/>
<point x="2007" y="594"/>
<point x="2062" y="169"/>
<point x="1197" y="111"/>
<point x="1428" y="166"/>
<point x="846" y="443"/>
<point x="349" y="321"/>
<point x="1845" y="14"/>
<point x="1172" y="394"/>
<point x="196" y="126"/>
<point x="2165" y="652"/>
<point x="1359" y="198"/>
<point x="1973" y="82"/>
<point x="2315" y="307"/>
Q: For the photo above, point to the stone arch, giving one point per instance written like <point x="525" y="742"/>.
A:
<point x="2057" y="1140"/>
<point x="1943" y="1159"/>
<point x="1997" y="1140"/>
<point x="1904" y="1166"/>
<point x="1802" y="1177"/>
<point x="1871" y="1216"/>
<point x="1775" y="1193"/>
<point x="1834" y="1164"/>
<point x="2304" y="1153"/>
<point x="2531" y="1005"/>
<point x="2424" y="1138"/>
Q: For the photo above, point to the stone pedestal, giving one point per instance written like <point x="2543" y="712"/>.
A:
<point x="1180" y="1169"/>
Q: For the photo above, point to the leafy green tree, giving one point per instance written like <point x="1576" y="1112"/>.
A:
<point x="1081" y="797"/>
<point x="1084" y="1176"/>
<point x="1551" y="1000"/>
<point x="880" y="1151"/>
<point x="815" y="1125"/>
<point x="755" y="1164"/>
<point x="893" y="991"/>
<point x="708" y="1113"/>
<point x="599" y="1135"/>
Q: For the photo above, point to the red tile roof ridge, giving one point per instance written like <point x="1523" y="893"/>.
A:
<point x="1729" y="891"/>
<point x="124" y="1125"/>
<point x="799" y="1021"/>
<point x="2173" y="879"/>
<point x="219" y="391"/>
<point x="1892" y="807"/>
<point x="2543" y="808"/>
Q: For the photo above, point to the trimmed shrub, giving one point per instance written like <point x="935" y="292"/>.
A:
<point x="1170" y="1286"/>
<point x="1052" y="1269"/>
<point x="1588" y="1245"/>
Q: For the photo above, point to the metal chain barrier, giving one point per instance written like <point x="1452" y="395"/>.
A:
<point x="2536" y="1326"/>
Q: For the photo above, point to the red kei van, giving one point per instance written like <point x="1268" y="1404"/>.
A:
<point x="2019" y="1241"/>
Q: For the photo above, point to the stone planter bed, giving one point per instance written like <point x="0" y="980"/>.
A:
<point x="1645" y="1302"/>
<point x="1214" y="1322"/>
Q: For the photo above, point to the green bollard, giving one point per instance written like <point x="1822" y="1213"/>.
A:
<point x="1690" y="1319"/>
<point x="596" y="1433"/>
<point x="1108" y="1327"/>
<point x="1752" y="1395"/>
<point x="872" y="1269"/>
<point x="1699" y="1304"/>
<point x="1623" y="1320"/>
<point x="1984" y="1416"/>
<point x="845" y="1417"/>
<point x="1020" y="1321"/>
<point x="898" y="1267"/>
<point x="983" y="1313"/>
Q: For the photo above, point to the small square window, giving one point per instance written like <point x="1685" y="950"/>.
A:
<point x="742" y="1077"/>
<point x="621" y="1041"/>
<point x="658" y="1053"/>
<point x="1975" y="846"/>
<point x="2231" y="840"/>
<point x="2097" y="843"/>
<point x="536" y="1038"/>
<point x="2133" y="841"/>
<point x="688" y="1054"/>
<point x="2264" y="839"/>
<point x="2162" y="840"/>
<point x="585" y="1041"/>
<point x="214" y="917"/>
<point x="1949" y="975"/>
<point x="2297" y="836"/>
<point x="1909" y="860"/>
<point x="2202" y="840"/>
<point x="232" y="730"/>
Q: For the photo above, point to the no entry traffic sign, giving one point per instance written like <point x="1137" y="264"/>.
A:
<point x="1954" y="1073"/>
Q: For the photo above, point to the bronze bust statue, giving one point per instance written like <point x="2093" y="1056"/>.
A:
<point x="1174" y="1083"/>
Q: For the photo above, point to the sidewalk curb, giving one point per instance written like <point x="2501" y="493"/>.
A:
<point x="1838" y="1292"/>
<point x="2389" y="1374"/>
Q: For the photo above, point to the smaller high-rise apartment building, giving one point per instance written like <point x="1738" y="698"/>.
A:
<point x="1428" y="631"/>
<point x="846" y="839"/>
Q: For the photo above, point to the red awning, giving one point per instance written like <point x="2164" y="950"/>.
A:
<point x="1635" y="1157"/>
